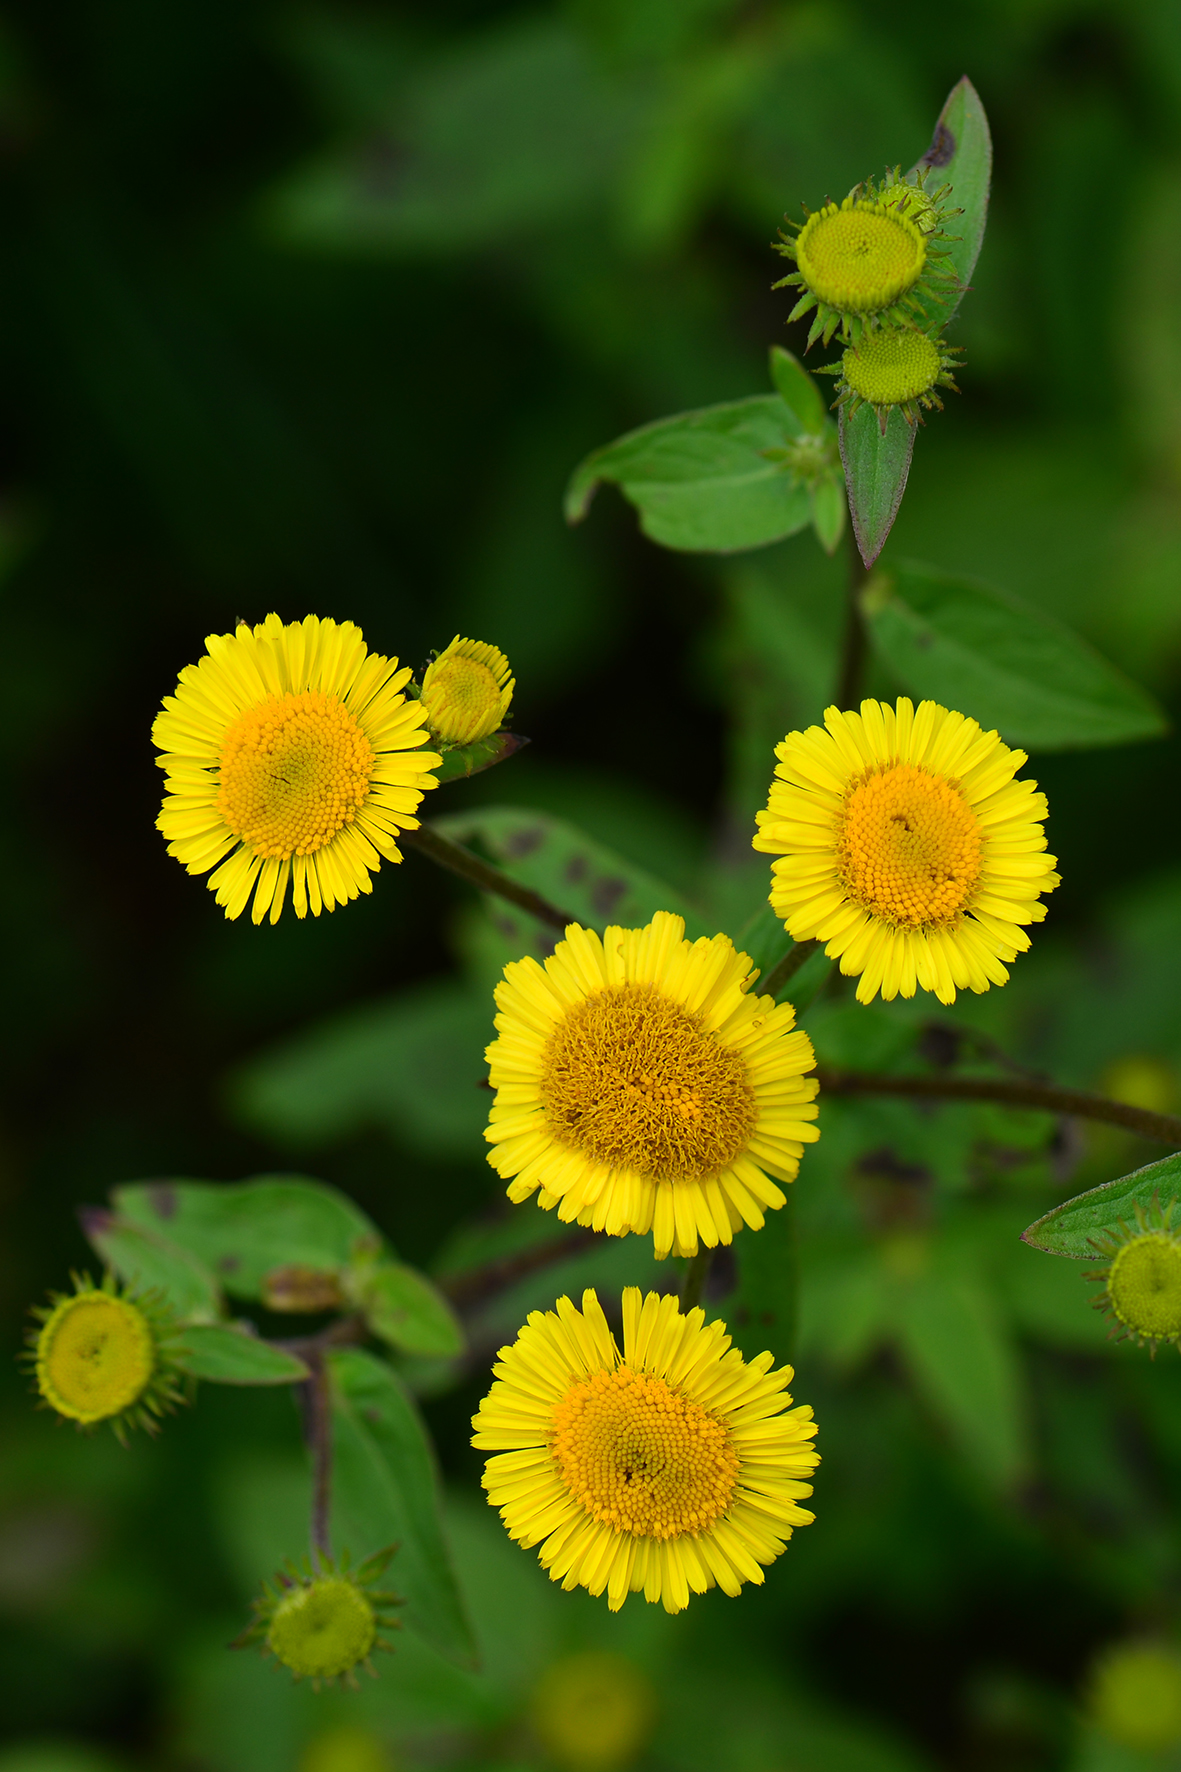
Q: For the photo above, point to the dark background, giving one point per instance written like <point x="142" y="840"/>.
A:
<point x="316" y="309"/>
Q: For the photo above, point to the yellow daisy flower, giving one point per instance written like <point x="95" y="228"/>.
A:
<point x="668" y="1469"/>
<point x="292" y="756"/>
<point x="466" y="692"/>
<point x="642" y="1087"/>
<point x="104" y="1354"/>
<point x="907" y="847"/>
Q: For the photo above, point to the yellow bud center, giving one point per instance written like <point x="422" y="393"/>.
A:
<point x="861" y="259"/>
<point x="641" y="1458"/>
<point x="890" y="367"/>
<point x="909" y="847"/>
<point x="95" y="1356"/>
<point x="295" y="769"/>
<point x="462" y="698"/>
<point x="322" y="1628"/>
<point x="1144" y="1285"/>
<point x="633" y="1081"/>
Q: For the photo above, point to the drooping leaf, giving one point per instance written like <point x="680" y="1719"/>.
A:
<point x="148" y="1261"/>
<point x="409" y="1064"/>
<point x="877" y="465"/>
<point x="582" y="877"/>
<point x="1073" y="1227"/>
<point x="222" y="1354"/>
<point x="703" y="481"/>
<point x="463" y="760"/>
<point x="405" y="1309"/>
<point x="985" y="653"/>
<point x="385" y="1491"/>
<point x="964" y="1363"/>
<point x="876" y="468"/>
<point x="245" y="1230"/>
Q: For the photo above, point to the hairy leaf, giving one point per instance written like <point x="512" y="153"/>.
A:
<point x="385" y="1491"/>
<point x="876" y="468"/>
<point x="471" y="759"/>
<point x="405" y="1309"/>
<point x="1073" y="1227"/>
<point x="148" y="1261"/>
<point x="987" y="654"/>
<point x="221" y="1354"/>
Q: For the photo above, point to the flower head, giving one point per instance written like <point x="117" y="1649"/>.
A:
<point x="667" y="1468"/>
<point x="1142" y="1279"/>
<point x="593" y="1711"/>
<point x="466" y="692"/>
<point x="867" y="261"/>
<point x="895" y="366"/>
<point x="642" y="1086"/>
<point x="1135" y="1695"/>
<point x="102" y="1354"/>
<point x="292" y="758"/>
<point x="905" y="844"/>
<point x="324" y="1625"/>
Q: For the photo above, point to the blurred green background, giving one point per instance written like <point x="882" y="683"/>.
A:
<point x="316" y="309"/>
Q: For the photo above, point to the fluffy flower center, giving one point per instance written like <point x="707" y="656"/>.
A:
<point x="630" y="1079"/>
<point x="860" y="259"/>
<point x="95" y="1356"/>
<point x="889" y="367"/>
<point x="323" y="1628"/>
<point x="641" y="1458"/>
<point x="1144" y="1285"/>
<point x="295" y="769"/>
<point x="462" y="699"/>
<point x="909" y="847"/>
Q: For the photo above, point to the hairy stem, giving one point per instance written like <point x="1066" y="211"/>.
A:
<point x="471" y="1287"/>
<point x="696" y="1274"/>
<point x="317" y="1428"/>
<point x="469" y="866"/>
<point x="1010" y="1092"/>
<point x="787" y="968"/>
<point x="853" y="652"/>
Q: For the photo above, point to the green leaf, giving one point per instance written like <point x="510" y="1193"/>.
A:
<point x="244" y="1230"/>
<point x="876" y="467"/>
<point x="463" y="760"/>
<point x="961" y="155"/>
<point x="1006" y="664"/>
<point x="964" y="1363"/>
<point x="405" y="1309"/>
<point x="761" y="1313"/>
<point x="410" y="1064"/>
<point x="224" y="1355"/>
<point x="580" y="876"/>
<point x="798" y="391"/>
<point x="828" y="505"/>
<point x="148" y="1261"/>
<point x="703" y="481"/>
<point x="385" y="1491"/>
<point x="1070" y="1229"/>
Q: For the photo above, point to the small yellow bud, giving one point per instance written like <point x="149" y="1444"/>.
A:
<point x="323" y="1626"/>
<point x="594" y="1712"/>
<point x="895" y="366"/>
<point x="1136" y="1695"/>
<point x="346" y="1748"/>
<point x="466" y="692"/>
<point x="100" y="1355"/>
<point x="1142" y="1288"/>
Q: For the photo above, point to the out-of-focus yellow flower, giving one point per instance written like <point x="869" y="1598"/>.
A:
<point x="1135" y="1695"/>
<point x="593" y="1712"/>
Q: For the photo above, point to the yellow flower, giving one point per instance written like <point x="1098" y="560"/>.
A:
<point x="907" y="847"/>
<point x="594" y="1711"/>
<point x="667" y="1469"/>
<point x="1136" y="1695"/>
<point x="642" y="1087"/>
<point x="1143" y="1277"/>
<point x="895" y="366"/>
<point x="292" y="757"/>
<point x="101" y="1355"/>
<point x="466" y="692"/>
<point x="324" y="1625"/>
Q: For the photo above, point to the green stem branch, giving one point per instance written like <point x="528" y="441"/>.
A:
<point x="469" y="866"/>
<point x="696" y="1274"/>
<point x="1015" y="1092"/>
<point x="779" y="975"/>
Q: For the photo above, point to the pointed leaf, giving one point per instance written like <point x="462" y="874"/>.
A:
<point x="405" y="1309"/>
<point x="147" y="1261"/>
<point x="221" y="1354"/>
<point x="828" y="511"/>
<point x="385" y="1491"/>
<point x="876" y="468"/>
<point x="245" y="1230"/>
<point x="985" y="653"/>
<point x="1073" y="1227"/>
<point x="961" y="155"/>
<point x="798" y="391"/>
<point x="703" y="481"/>
<point x="463" y="760"/>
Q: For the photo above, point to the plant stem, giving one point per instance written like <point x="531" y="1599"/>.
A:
<point x="696" y="1274"/>
<point x="1010" y="1092"/>
<point x="853" y="653"/>
<point x="473" y="1285"/>
<point x="317" y="1427"/>
<point x="469" y="866"/>
<point x="777" y="978"/>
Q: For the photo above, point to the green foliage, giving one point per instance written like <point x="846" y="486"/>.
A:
<point x="967" y="645"/>
<point x="227" y="1355"/>
<point x="876" y="468"/>
<point x="1074" y="1227"/>
<point x="385" y="1491"/>
<point x="402" y="1307"/>
<point x="462" y="760"/>
<point x="149" y="1261"/>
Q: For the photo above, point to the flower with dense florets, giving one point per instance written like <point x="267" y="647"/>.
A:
<point x="1142" y="1279"/>
<point x="466" y="692"/>
<point x="103" y="1354"/>
<point x="323" y="1625"/>
<point x="895" y="367"/>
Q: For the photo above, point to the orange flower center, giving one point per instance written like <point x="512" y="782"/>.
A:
<point x="909" y="847"/>
<point x="295" y="769"/>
